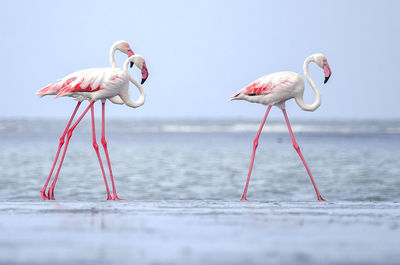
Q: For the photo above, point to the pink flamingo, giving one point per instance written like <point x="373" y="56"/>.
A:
<point x="54" y="89"/>
<point x="96" y="84"/>
<point x="273" y="90"/>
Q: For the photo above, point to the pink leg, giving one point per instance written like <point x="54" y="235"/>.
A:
<point x="296" y="146"/>
<point x="43" y="191"/>
<point x="69" y="134"/>
<point x="255" y="144"/>
<point x="104" y="143"/>
<point x="96" y="148"/>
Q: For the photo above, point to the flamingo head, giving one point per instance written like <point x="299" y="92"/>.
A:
<point x="124" y="47"/>
<point x="322" y="62"/>
<point x="140" y="63"/>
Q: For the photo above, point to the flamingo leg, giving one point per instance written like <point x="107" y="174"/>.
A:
<point x="297" y="148"/>
<point x="61" y="143"/>
<point x="255" y="144"/>
<point x="69" y="134"/>
<point x="96" y="148"/>
<point x="104" y="143"/>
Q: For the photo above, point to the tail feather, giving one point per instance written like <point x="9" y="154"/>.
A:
<point x="52" y="89"/>
<point x="236" y="95"/>
<point x="55" y="88"/>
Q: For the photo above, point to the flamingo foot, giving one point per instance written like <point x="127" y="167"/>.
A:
<point x="115" y="198"/>
<point x="50" y="194"/>
<point x="319" y="197"/>
<point x="244" y="198"/>
<point x="109" y="198"/>
<point x="43" y="194"/>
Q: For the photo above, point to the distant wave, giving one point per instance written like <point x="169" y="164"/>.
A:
<point x="210" y="126"/>
<point x="278" y="128"/>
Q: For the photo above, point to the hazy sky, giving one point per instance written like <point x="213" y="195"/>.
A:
<point x="200" y="52"/>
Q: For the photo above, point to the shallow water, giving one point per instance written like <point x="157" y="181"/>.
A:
<point x="199" y="232"/>
<point x="190" y="160"/>
<point x="183" y="181"/>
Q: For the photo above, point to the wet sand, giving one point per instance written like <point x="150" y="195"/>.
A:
<point x="199" y="232"/>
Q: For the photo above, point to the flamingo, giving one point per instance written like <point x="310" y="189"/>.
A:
<point x="53" y="89"/>
<point x="97" y="84"/>
<point x="274" y="90"/>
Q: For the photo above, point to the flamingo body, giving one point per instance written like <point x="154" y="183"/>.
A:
<point x="55" y="88"/>
<point x="272" y="89"/>
<point x="88" y="84"/>
<point x="98" y="83"/>
<point x="92" y="84"/>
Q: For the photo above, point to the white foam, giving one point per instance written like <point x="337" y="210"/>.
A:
<point x="212" y="126"/>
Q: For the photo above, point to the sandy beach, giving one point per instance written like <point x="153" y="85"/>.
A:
<point x="199" y="232"/>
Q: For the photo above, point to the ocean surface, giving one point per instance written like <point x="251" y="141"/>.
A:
<point x="182" y="181"/>
<point x="205" y="160"/>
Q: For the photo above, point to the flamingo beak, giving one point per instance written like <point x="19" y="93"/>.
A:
<point x="327" y="71"/>
<point x="145" y="73"/>
<point x="130" y="53"/>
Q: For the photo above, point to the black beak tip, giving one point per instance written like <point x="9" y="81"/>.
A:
<point x="143" y="80"/>
<point x="326" y="79"/>
<point x="131" y="64"/>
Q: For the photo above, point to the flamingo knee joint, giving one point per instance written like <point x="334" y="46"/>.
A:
<point x="255" y="143"/>
<point x="95" y="146"/>
<point x="104" y="142"/>
<point x="69" y="133"/>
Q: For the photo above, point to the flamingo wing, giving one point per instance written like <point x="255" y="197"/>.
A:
<point x="86" y="81"/>
<point x="90" y="80"/>
<point x="267" y="84"/>
<point x="56" y="87"/>
<point x="258" y="87"/>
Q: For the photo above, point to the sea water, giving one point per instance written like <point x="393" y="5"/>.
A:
<point x="205" y="159"/>
<point x="182" y="181"/>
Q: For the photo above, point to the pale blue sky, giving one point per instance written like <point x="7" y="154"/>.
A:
<point x="200" y="52"/>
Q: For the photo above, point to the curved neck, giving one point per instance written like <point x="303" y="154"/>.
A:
<point x="112" y="56"/>
<point x="299" y="99"/>
<point x="125" y="93"/>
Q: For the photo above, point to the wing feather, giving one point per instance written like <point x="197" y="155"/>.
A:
<point x="94" y="80"/>
<point x="56" y="87"/>
<point x="267" y="84"/>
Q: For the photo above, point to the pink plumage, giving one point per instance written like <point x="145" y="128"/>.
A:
<point x="274" y="90"/>
<point x="96" y="84"/>
<point x="56" y="87"/>
<point x="270" y="89"/>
